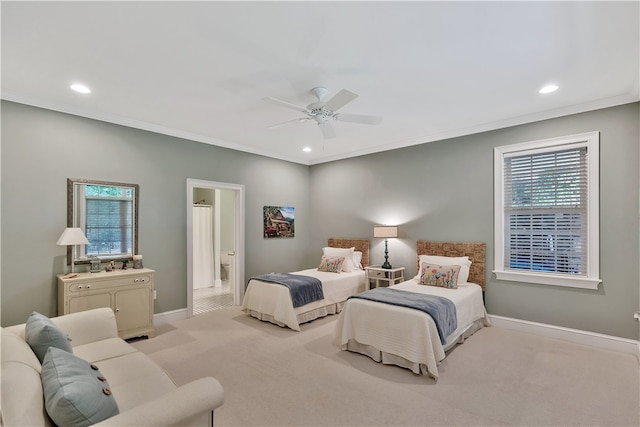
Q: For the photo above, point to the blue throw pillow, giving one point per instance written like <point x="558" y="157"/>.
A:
<point x="75" y="392"/>
<point x="41" y="333"/>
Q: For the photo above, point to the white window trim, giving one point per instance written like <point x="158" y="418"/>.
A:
<point x="592" y="141"/>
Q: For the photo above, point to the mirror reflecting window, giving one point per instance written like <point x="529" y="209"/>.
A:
<point x="107" y="212"/>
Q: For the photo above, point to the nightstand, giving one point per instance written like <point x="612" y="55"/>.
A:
<point x="378" y="276"/>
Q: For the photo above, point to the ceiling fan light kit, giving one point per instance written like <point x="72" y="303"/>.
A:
<point x="322" y="112"/>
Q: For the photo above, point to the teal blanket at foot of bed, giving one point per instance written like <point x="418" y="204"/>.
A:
<point x="303" y="289"/>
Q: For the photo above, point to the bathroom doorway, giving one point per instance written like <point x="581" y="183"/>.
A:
<point x="215" y="255"/>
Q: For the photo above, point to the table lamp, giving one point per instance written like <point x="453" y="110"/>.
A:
<point x="386" y="231"/>
<point x="72" y="236"/>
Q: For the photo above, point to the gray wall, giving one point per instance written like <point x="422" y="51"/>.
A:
<point x="440" y="191"/>
<point x="443" y="191"/>
<point x="41" y="149"/>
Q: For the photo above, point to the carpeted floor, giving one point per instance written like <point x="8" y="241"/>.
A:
<point x="498" y="377"/>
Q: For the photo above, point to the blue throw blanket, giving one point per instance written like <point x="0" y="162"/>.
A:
<point x="303" y="289"/>
<point x="442" y="310"/>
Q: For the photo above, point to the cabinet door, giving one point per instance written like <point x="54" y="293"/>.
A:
<point x="88" y="302"/>
<point x="133" y="308"/>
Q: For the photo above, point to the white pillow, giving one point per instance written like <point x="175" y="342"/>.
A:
<point x="357" y="260"/>
<point x="347" y="266"/>
<point x="462" y="261"/>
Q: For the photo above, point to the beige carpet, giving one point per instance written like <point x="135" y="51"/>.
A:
<point x="277" y="377"/>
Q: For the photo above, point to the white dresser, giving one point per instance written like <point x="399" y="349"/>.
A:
<point x="128" y="292"/>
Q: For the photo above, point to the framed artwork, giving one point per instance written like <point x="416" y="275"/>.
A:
<point x="278" y="221"/>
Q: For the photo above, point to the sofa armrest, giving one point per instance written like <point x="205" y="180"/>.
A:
<point x="89" y="326"/>
<point x="184" y="406"/>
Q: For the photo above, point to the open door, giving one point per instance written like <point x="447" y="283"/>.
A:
<point x="217" y="247"/>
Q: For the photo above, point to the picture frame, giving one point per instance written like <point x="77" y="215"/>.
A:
<point x="278" y="222"/>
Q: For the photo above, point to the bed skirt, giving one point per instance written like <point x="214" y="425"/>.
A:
<point x="417" y="368"/>
<point x="305" y="317"/>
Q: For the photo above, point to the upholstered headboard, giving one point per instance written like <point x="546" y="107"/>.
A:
<point x="361" y="245"/>
<point x="475" y="252"/>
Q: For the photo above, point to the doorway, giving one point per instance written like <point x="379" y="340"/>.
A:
<point x="215" y="245"/>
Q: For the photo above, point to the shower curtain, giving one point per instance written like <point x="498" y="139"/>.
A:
<point x="202" y="246"/>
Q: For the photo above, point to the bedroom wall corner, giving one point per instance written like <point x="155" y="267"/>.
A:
<point x="42" y="148"/>
<point x="443" y="191"/>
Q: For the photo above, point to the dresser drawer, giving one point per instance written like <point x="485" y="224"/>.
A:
<point x="83" y="286"/>
<point x="378" y="274"/>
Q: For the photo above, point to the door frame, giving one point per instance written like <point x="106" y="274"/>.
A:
<point x="238" y="233"/>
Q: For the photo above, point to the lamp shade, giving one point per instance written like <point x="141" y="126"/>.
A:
<point x="385" y="231"/>
<point x="72" y="236"/>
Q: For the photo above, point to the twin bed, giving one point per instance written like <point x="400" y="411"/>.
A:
<point x="407" y="337"/>
<point x="272" y="302"/>
<point x="387" y="333"/>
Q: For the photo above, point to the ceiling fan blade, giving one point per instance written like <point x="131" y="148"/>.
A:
<point x="358" y="118"/>
<point x="277" y="125"/>
<point x="285" y="104"/>
<point x="327" y="130"/>
<point x="341" y="99"/>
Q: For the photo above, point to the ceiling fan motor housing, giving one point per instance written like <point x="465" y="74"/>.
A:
<point x="319" y="114"/>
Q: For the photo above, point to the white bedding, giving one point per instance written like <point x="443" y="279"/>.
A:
<point x="404" y="336"/>
<point x="272" y="302"/>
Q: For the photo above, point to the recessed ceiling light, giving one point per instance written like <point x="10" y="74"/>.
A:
<point x="307" y="149"/>
<point x="548" y="89"/>
<point x="80" y="88"/>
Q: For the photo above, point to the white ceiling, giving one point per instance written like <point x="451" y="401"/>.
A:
<point x="432" y="70"/>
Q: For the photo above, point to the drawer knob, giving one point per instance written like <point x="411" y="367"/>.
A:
<point x="79" y="286"/>
<point x="88" y="286"/>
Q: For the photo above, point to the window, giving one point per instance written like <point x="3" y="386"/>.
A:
<point x="546" y="211"/>
<point x="108" y="214"/>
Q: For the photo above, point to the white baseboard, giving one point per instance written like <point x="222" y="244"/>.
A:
<point x="169" y="316"/>
<point x="577" y="336"/>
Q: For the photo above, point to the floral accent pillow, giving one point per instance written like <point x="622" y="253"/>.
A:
<point x="331" y="264"/>
<point x="347" y="253"/>
<point x="444" y="276"/>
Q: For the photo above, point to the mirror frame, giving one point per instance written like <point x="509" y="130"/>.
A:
<point x="70" y="220"/>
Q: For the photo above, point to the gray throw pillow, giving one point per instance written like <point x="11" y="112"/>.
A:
<point x="41" y="333"/>
<point x="75" y="392"/>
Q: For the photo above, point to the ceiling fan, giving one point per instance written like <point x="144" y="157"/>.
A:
<point x="322" y="112"/>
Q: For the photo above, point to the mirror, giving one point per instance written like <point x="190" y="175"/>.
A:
<point x="107" y="212"/>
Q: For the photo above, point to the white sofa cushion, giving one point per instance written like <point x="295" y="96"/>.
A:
<point x="15" y="349"/>
<point x="23" y="405"/>
<point x="134" y="380"/>
<point x="103" y="349"/>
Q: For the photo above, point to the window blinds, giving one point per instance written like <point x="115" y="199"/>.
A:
<point x="546" y="211"/>
<point x="108" y="226"/>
